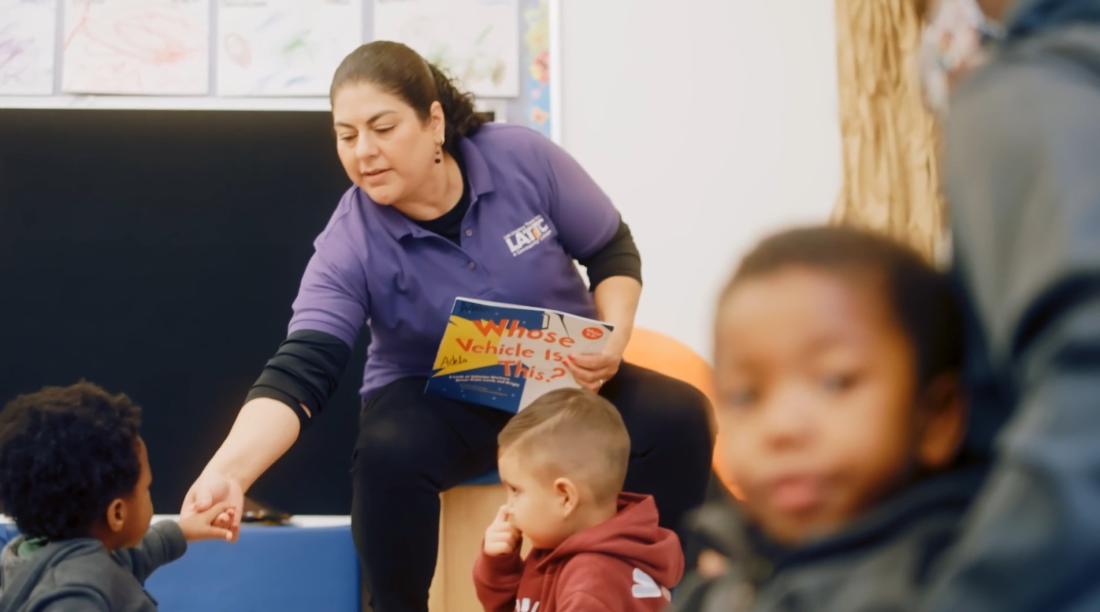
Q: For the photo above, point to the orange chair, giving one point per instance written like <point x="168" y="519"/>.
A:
<point x="671" y="357"/>
<point x="468" y="509"/>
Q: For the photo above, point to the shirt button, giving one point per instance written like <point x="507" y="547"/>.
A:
<point x="469" y="233"/>
<point x="471" y="265"/>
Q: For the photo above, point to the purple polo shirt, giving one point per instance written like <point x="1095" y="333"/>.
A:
<point x="533" y="210"/>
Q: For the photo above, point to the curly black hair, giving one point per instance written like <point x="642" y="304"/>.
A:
<point x="65" y="453"/>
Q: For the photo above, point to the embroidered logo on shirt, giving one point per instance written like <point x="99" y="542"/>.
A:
<point x="524" y="605"/>
<point x="521" y="239"/>
<point x="646" y="587"/>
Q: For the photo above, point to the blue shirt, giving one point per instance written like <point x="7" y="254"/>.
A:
<point x="533" y="210"/>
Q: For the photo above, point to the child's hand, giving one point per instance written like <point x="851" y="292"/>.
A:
<point x="211" y="488"/>
<point x="711" y="564"/>
<point x="201" y="525"/>
<point x="502" y="537"/>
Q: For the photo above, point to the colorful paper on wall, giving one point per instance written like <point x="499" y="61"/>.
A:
<point x="136" y="47"/>
<point x="476" y="41"/>
<point x="284" y="47"/>
<point x="27" y="31"/>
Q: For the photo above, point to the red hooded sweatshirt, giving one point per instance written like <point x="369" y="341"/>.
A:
<point x="626" y="563"/>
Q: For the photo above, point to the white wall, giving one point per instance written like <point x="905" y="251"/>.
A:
<point x="709" y="123"/>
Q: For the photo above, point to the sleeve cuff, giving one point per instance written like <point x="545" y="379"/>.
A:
<point x="304" y="420"/>
<point x="171" y="534"/>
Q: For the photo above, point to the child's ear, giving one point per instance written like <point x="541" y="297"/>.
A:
<point x="116" y="515"/>
<point x="566" y="491"/>
<point x="941" y="422"/>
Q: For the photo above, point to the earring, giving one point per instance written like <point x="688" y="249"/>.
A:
<point x="439" y="152"/>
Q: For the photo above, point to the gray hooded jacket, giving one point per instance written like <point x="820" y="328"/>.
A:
<point x="879" y="563"/>
<point x="80" y="575"/>
<point x="1022" y="175"/>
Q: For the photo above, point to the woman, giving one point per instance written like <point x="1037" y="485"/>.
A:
<point x="435" y="196"/>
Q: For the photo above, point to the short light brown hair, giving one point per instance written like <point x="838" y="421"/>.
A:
<point x="573" y="433"/>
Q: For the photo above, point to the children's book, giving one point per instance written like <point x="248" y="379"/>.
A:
<point x="506" y="355"/>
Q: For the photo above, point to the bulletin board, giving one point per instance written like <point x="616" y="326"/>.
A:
<point x="270" y="54"/>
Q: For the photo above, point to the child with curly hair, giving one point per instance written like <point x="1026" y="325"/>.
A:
<point x="75" y="476"/>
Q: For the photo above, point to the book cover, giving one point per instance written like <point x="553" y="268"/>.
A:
<point x="506" y="355"/>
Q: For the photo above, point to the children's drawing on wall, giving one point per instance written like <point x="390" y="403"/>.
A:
<point x="284" y="47"/>
<point x="477" y="41"/>
<point x="136" y="47"/>
<point x="26" y="46"/>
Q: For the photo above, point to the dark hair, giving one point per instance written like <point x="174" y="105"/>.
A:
<point x="401" y="71"/>
<point x="921" y="298"/>
<point x="65" y="454"/>
<point x="574" y="425"/>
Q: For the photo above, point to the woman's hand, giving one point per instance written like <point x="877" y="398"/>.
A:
<point x="616" y="301"/>
<point x="211" y="490"/>
<point x="592" y="370"/>
<point x="202" y="525"/>
<point x="264" y="430"/>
